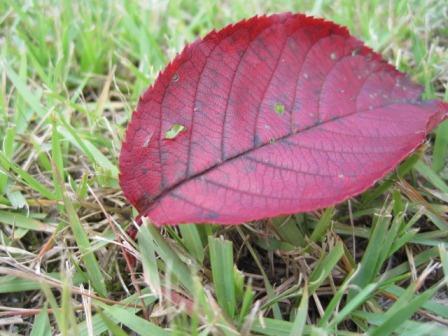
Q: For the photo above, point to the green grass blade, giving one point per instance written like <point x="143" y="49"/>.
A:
<point x="431" y="176"/>
<point x="353" y="303"/>
<point x="112" y="327"/>
<point x="82" y="240"/>
<point x="41" y="325"/>
<point x="25" y="222"/>
<point x="100" y="326"/>
<point x="149" y="260"/>
<point x="440" y="150"/>
<point x="26" y="177"/>
<point x="288" y="230"/>
<point x="87" y="148"/>
<point x="221" y="259"/>
<point x="335" y="301"/>
<point x="171" y="259"/>
<point x="135" y="323"/>
<point x="57" y="158"/>
<point x="247" y="301"/>
<point x="8" y="150"/>
<point x="433" y="305"/>
<point x="373" y="256"/>
<point x="299" y="322"/>
<point x="444" y="261"/>
<point x="27" y="95"/>
<point x="57" y="312"/>
<point x="399" y="316"/>
<point x="324" y="267"/>
<point x="322" y="225"/>
<point x="191" y="239"/>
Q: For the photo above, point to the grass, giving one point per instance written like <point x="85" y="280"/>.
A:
<point x="70" y="75"/>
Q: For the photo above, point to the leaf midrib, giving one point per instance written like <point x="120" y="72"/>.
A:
<point x="174" y="186"/>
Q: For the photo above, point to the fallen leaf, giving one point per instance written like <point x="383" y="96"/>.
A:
<point x="280" y="114"/>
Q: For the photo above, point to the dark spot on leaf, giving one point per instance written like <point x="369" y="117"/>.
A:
<point x="292" y="44"/>
<point x="145" y="201"/>
<point x="356" y="51"/>
<point x="212" y="215"/>
<point x="250" y="166"/>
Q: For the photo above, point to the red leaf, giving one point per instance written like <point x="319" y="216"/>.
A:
<point x="273" y="115"/>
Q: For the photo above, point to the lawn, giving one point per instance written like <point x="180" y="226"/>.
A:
<point x="71" y="73"/>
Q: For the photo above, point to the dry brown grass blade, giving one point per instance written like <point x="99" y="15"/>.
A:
<point x="415" y="196"/>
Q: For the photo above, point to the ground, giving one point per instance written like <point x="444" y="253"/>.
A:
<point x="70" y="77"/>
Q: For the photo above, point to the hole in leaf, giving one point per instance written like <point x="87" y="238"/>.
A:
<point x="356" y="51"/>
<point x="174" y="131"/>
<point x="147" y="140"/>
<point x="279" y="108"/>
